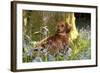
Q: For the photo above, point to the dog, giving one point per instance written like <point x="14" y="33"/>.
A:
<point x="60" y="40"/>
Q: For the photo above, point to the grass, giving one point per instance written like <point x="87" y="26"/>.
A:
<point x="79" y="47"/>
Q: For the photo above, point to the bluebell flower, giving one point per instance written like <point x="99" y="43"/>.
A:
<point x="37" y="59"/>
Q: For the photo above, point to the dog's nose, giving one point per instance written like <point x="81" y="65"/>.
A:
<point x="58" y="30"/>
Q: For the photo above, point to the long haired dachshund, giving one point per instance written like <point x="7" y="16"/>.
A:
<point x="58" y="42"/>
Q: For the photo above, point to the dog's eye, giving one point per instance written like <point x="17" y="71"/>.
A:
<point x="62" y="25"/>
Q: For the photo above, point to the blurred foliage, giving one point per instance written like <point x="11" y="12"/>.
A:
<point x="34" y="20"/>
<point x="83" y="20"/>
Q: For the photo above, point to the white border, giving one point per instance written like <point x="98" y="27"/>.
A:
<point x="21" y="65"/>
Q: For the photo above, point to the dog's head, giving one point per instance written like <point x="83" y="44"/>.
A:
<point x="63" y="27"/>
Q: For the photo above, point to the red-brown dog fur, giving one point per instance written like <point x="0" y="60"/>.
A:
<point x="61" y="38"/>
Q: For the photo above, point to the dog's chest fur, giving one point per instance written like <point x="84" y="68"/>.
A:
<point x="57" y="42"/>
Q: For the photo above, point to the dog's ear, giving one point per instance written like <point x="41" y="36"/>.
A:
<point x="68" y="27"/>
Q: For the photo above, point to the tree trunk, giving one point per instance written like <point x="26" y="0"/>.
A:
<point x="70" y="19"/>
